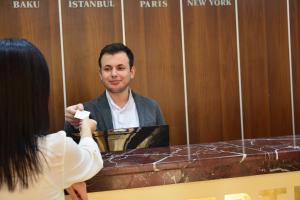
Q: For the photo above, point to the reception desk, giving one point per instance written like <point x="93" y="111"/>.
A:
<point x="253" y="169"/>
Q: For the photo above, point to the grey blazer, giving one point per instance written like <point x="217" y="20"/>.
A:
<point x="148" y="111"/>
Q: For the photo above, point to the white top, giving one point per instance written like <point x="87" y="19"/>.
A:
<point x="125" y="117"/>
<point x="68" y="163"/>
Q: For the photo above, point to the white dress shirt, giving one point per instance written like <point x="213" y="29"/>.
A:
<point x="125" y="117"/>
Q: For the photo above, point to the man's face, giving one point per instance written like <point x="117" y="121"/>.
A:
<point x="115" y="72"/>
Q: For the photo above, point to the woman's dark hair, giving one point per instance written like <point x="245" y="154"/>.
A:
<point x="116" y="48"/>
<point x="24" y="94"/>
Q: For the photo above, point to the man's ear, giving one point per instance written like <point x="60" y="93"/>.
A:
<point x="132" y="72"/>
<point x="100" y="75"/>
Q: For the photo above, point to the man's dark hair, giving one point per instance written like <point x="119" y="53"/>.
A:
<point x="116" y="48"/>
<point x="24" y="94"/>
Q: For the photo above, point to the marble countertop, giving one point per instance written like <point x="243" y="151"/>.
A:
<point x="196" y="162"/>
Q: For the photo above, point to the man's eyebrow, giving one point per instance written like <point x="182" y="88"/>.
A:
<point x="121" y="65"/>
<point x="118" y="65"/>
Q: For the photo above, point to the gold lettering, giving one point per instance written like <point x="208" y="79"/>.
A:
<point x="272" y="193"/>
<point x="238" y="196"/>
<point x="297" y="192"/>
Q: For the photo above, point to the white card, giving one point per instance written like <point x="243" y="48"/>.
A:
<point x="82" y="114"/>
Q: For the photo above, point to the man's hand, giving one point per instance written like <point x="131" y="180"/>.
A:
<point x="70" y="112"/>
<point x="77" y="191"/>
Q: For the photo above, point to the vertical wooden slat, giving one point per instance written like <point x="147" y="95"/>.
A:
<point x="295" y="44"/>
<point x="86" y="31"/>
<point x="265" y="67"/>
<point x="41" y="27"/>
<point x="210" y="41"/>
<point x="154" y="36"/>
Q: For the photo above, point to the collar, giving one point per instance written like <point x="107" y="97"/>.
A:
<point x="114" y="106"/>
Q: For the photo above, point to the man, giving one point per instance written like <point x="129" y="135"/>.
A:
<point x="118" y="106"/>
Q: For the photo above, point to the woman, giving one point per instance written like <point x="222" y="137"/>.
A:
<point x="35" y="164"/>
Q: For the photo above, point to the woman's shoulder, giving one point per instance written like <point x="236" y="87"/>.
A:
<point x="54" y="143"/>
<point x="56" y="138"/>
<point x="57" y="135"/>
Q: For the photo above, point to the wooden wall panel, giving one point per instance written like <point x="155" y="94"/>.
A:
<point x="154" y="36"/>
<point x="86" y="31"/>
<point x="295" y="42"/>
<point x="212" y="73"/>
<point x="41" y="27"/>
<point x="265" y="67"/>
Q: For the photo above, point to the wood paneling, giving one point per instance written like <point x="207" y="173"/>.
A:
<point x="212" y="73"/>
<point x="41" y="27"/>
<point x="86" y="31"/>
<point x="154" y="36"/>
<point x="265" y="67"/>
<point x="295" y="42"/>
